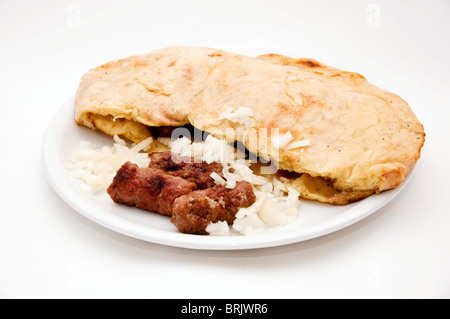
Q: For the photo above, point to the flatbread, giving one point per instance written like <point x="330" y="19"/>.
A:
<point x="363" y="139"/>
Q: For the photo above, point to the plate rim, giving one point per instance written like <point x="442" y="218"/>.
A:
<point x="59" y="181"/>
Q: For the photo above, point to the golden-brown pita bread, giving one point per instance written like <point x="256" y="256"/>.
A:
<point x="363" y="139"/>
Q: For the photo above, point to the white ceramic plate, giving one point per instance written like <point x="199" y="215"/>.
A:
<point x="63" y="135"/>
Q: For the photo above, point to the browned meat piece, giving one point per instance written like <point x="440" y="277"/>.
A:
<point x="168" y="161"/>
<point x="169" y="187"/>
<point x="192" y="213"/>
<point x="186" y="167"/>
<point x="148" y="188"/>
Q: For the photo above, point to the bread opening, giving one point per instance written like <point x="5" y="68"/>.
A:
<point x="310" y="187"/>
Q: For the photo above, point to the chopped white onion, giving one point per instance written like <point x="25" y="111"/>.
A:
<point x="218" y="229"/>
<point x="281" y="141"/>
<point x="298" y="144"/>
<point x="97" y="167"/>
<point x="217" y="179"/>
<point x="243" y="115"/>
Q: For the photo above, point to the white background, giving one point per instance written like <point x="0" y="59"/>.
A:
<point x="48" y="250"/>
